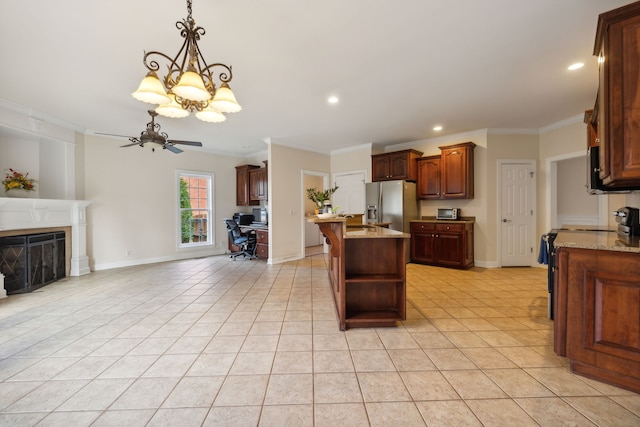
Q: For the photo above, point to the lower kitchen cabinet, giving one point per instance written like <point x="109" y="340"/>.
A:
<point x="442" y="243"/>
<point x="597" y="314"/>
<point x="262" y="243"/>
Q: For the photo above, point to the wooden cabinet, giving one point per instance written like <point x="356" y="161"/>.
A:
<point x="243" y="185"/>
<point x="262" y="243"/>
<point x="367" y="276"/>
<point x="617" y="46"/>
<point x="597" y="314"/>
<point x="456" y="166"/>
<point x="428" y="184"/>
<point x="395" y="165"/>
<point x="258" y="185"/>
<point x="445" y="244"/>
<point x="447" y="176"/>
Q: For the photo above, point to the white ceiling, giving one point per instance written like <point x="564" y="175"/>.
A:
<point x="398" y="67"/>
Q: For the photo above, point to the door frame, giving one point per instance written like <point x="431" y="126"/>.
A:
<point x="532" y="233"/>
<point x="303" y="191"/>
<point x="552" y="191"/>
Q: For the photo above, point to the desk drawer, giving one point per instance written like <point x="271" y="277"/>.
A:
<point x="262" y="236"/>
<point x="262" y="250"/>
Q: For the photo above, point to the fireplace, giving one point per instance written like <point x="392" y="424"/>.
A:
<point x="31" y="261"/>
<point x="25" y="217"/>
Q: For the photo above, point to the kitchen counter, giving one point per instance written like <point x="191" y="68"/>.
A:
<point x="367" y="272"/>
<point x="595" y="300"/>
<point x="464" y="219"/>
<point x="363" y="231"/>
<point x="606" y="239"/>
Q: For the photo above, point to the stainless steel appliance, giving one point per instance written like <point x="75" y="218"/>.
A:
<point x="448" y="213"/>
<point x="594" y="183"/>
<point x="547" y="254"/>
<point x="260" y="216"/>
<point x="628" y="220"/>
<point x="392" y="202"/>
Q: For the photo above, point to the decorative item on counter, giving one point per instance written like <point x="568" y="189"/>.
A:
<point x="321" y="197"/>
<point x="18" y="184"/>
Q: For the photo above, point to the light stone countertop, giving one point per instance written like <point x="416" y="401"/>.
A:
<point x="363" y="231"/>
<point x="600" y="240"/>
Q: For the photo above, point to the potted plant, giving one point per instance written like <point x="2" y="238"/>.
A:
<point x="18" y="184"/>
<point x="319" y="197"/>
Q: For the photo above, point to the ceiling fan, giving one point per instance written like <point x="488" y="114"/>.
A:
<point x="152" y="135"/>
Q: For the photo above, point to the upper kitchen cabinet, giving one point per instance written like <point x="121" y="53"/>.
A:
<point x="428" y="185"/>
<point x="395" y="165"/>
<point x="456" y="162"/>
<point x="258" y="185"/>
<point x="243" y="185"/>
<point x="617" y="46"/>
<point x="447" y="176"/>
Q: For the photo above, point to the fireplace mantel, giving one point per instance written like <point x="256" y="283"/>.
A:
<point x="30" y="215"/>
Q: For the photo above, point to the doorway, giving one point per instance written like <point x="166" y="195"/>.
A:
<point x="312" y="240"/>
<point x="516" y="202"/>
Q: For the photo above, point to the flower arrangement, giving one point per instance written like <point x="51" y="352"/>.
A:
<point x="15" y="180"/>
<point x="319" y="197"/>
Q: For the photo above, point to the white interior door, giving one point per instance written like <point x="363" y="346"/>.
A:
<point x="350" y="196"/>
<point x="517" y="220"/>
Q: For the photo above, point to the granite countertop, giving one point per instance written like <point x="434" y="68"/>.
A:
<point x="453" y="221"/>
<point x="363" y="231"/>
<point x="608" y="240"/>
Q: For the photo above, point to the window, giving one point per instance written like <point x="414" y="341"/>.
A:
<point x="195" y="208"/>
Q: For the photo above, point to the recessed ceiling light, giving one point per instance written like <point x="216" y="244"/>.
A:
<point x="575" y="66"/>
<point x="333" y="100"/>
<point x="437" y="128"/>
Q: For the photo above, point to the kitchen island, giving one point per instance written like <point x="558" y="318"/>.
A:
<point x="367" y="272"/>
<point x="597" y="305"/>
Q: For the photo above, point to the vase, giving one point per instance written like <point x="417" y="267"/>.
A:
<point x="17" y="193"/>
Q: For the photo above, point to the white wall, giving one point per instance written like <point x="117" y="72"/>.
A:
<point x="286" y="193"/>
<point x="134" y="201"/>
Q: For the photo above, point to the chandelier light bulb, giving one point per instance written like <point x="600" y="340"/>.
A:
<point x="151" y="90"/>
<point x="211" y="115"/>
<point x="225" y="101"/>
<point x="172" y="109"/>
<point x="191" y="86"/>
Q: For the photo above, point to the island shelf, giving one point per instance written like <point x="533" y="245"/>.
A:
<point x="367" y="272"/>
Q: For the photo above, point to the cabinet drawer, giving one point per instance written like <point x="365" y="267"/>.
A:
<point x="262" y="236"/>
<point x="262" y="250"/>
<point x="422" y="226"/>
<point x="450" y="227"/>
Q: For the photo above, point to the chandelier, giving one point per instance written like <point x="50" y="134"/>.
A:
<point x="189" y="85"/>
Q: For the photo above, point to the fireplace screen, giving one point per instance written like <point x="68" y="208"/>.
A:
<point x="31" y="261"/>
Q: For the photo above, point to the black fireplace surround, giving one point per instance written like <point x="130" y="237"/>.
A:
<point x="31" y="261"/>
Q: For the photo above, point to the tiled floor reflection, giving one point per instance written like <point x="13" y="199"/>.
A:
<point x="213" y="342"/>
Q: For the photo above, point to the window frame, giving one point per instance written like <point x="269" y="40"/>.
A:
<point x="209" y="176"/>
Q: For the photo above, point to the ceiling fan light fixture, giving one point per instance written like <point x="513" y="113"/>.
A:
<point x="211" y="115"/>
<point x="151" y="90"/>
<point x="188" y="77"/>
<point x="191" y="86"/>
<point x="172" y="109"/>
<point x="225" y="101"/>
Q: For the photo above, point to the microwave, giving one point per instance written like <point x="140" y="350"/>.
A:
<point x="448" y="213"/>
<point x="260" y="216"/>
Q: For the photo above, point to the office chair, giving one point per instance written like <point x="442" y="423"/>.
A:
<point x="246" y="242"/>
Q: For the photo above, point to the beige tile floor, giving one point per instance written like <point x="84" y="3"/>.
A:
<point x="213" y="342"/>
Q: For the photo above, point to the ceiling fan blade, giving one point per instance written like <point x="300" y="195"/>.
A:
<point x="172" y="148"/>
<point x="130" y="145"/>
<point x="112" y="134"/>
<point x="175" y="141"/>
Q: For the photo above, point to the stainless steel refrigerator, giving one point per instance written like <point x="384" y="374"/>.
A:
<point x="392" y="202"/>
